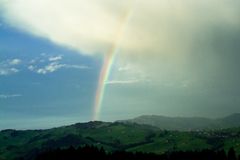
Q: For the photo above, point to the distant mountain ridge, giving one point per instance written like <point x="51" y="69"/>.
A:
<point x="187" y="123"/>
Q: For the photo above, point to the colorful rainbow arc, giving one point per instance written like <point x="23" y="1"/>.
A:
<point x="107" y="64"/>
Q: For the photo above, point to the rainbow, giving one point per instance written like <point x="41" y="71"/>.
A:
<point x="107" y="64"/>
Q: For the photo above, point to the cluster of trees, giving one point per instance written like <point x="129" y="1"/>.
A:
<point x="91" y="152"/>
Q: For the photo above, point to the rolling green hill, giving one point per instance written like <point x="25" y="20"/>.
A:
<point x="114" y="136"/>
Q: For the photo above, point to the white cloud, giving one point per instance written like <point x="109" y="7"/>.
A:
<point x="6" y="67"/>
<point x="54" y="66"/>
<point x="91" y="26"/>
<point x="14" y="70"/>
<point x="88" y="26"/>
<point x="125" y="68"/>
<point x="14" y="61"/>
<point x="56" y="58"/>
<point x="31" y="67"/>
<point x="10" y="62"/>
<point x="76" y="66"/>
<point x="6" y="96"/>
<point x="112" y="82"/>
<point x="45" y="58"/>
<point x="8" y="71"/>
<point x="43" y="54"/>
<point x="33" y="61"/>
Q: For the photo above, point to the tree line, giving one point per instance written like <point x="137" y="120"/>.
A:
<point x="95" y="153"/>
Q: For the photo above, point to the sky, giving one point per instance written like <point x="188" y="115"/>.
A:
<point x="76" y="60"/>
